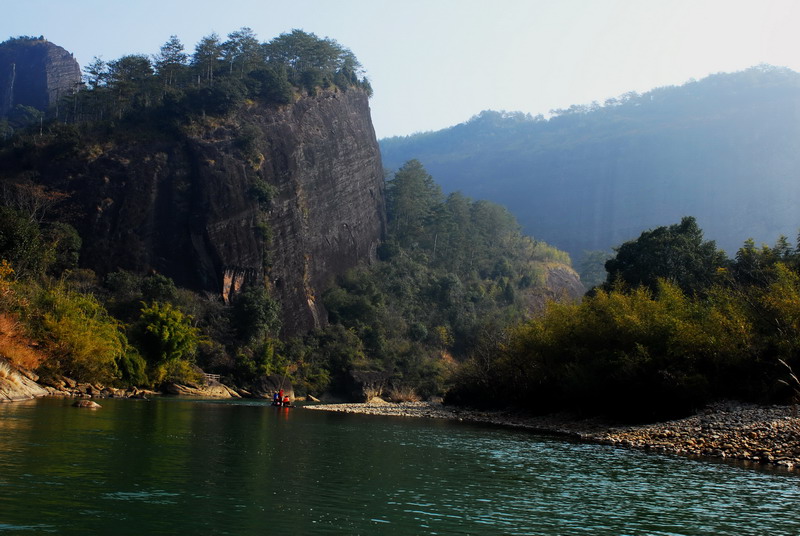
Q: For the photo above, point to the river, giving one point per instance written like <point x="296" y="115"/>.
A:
<point x="178" y="466"/>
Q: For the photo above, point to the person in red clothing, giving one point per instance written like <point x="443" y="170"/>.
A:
<point x="286" y="402"/>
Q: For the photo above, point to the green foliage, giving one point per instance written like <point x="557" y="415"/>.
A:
<point x="756" y="266"/>
<point x="676" y="253"/>
<point x="158" y="288"/>
<point x="242" y="51"/>
<point x="255" y="314"/>
<point x="642" y="350"/>
<point x="164" y="334"/>
<point x="207" y="57"/>
<point x="263" y="192"/>
<point x="22" y="244"/>
<point x="216" y="79"/>
<point x="450" y="268"/>
<point x="83" y="340"/>
<point x="410" y="199"/>
<point x="247" y="141"/>
<point x="304" y="53"/>
<point x="220" y="99"/>
<point x="171" y="60"/>
<point x="272" y="84"/>
<point x="311" y="79"/>
<point x="66" y="246"/>
<point x="634" y="355"/>
<point x="132" y="82"/>
<point x="133" y="368"/>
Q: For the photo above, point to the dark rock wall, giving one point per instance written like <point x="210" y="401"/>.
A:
<point x="333" y="212"/>
<point x="186" y="208"/>
<point x="35" y="73"/>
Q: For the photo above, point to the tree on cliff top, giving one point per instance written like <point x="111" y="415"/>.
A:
<point x="170" y="60"/>
<point x="301" y="51"/>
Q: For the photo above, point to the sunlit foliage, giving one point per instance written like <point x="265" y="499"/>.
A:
<point x="649" y="347"/>
<point x="82" y="339"/>
<point x="167" y="340"/>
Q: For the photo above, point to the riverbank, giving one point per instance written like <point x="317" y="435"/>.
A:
<point x="757" y="434"/>
<point x="18" y="384"/>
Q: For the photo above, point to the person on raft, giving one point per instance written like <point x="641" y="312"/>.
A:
<point x="276" y="399"/>
<point x="286" y="402"/>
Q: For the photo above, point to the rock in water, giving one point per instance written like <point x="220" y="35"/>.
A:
<point x="88" y="404"/>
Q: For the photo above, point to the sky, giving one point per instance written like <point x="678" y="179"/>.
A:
<point x="436" y="63"/>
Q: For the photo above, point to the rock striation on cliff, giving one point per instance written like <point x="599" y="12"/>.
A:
<point x="35" y="72"/>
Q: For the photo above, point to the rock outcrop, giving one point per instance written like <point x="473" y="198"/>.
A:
<point x="266" y="386"/>
<point x="213" y="389"/>
<point x="35" y="73"/>
<point x="561" y="284"/>
<point x="18" y="384"/>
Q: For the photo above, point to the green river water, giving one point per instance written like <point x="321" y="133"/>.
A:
<point x="177" y="466"/>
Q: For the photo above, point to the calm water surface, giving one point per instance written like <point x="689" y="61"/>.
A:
<point x="177" y="466"/>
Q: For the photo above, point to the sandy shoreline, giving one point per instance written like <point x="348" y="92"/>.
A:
<point x="768" y="435"/>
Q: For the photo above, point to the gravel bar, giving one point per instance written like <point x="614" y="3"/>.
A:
<point x="768" y="435"/>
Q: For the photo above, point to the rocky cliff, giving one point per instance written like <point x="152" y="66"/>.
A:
<point x="560" y="284"/>
<point x="290" y="196"/>
<point x="36" y="73"/>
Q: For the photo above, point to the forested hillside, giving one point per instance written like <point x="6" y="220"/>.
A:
<point x="453" y="274"/>
<point x="205" y="212"/>
<point x="724" y="149"/>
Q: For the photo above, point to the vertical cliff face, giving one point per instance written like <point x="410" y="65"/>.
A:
<point x="194" y="207"/>
<point x="36" y="73"/>
<point x="328" y="213"/>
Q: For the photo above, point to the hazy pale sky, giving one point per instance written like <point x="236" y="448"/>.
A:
<point x="436" y="63"/>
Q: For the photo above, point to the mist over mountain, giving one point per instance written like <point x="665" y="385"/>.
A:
<point x="723" y="149"/>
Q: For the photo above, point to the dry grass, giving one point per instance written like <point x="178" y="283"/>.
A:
<point x="372" y="392"/>
<point x="15" y="347"/>
<point x="8" y="373"/>
<point x="404" y="394"/>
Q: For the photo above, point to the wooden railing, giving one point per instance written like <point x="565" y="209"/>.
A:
<point x="210" y="377"/>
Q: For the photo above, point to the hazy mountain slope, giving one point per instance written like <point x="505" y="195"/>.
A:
<point x="723" y="149"/>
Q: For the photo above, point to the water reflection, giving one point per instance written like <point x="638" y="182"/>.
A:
<point x="246" y="468"/>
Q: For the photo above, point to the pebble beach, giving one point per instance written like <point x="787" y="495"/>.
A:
<point x="764" y="435"/>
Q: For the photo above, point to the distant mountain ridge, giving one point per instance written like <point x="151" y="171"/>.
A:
<point x="723" y="149"/>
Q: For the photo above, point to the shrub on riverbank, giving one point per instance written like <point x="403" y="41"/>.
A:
<point x="637" y="353"/>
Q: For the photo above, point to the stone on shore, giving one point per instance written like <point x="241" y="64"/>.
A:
<point x="18" y="384"/>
